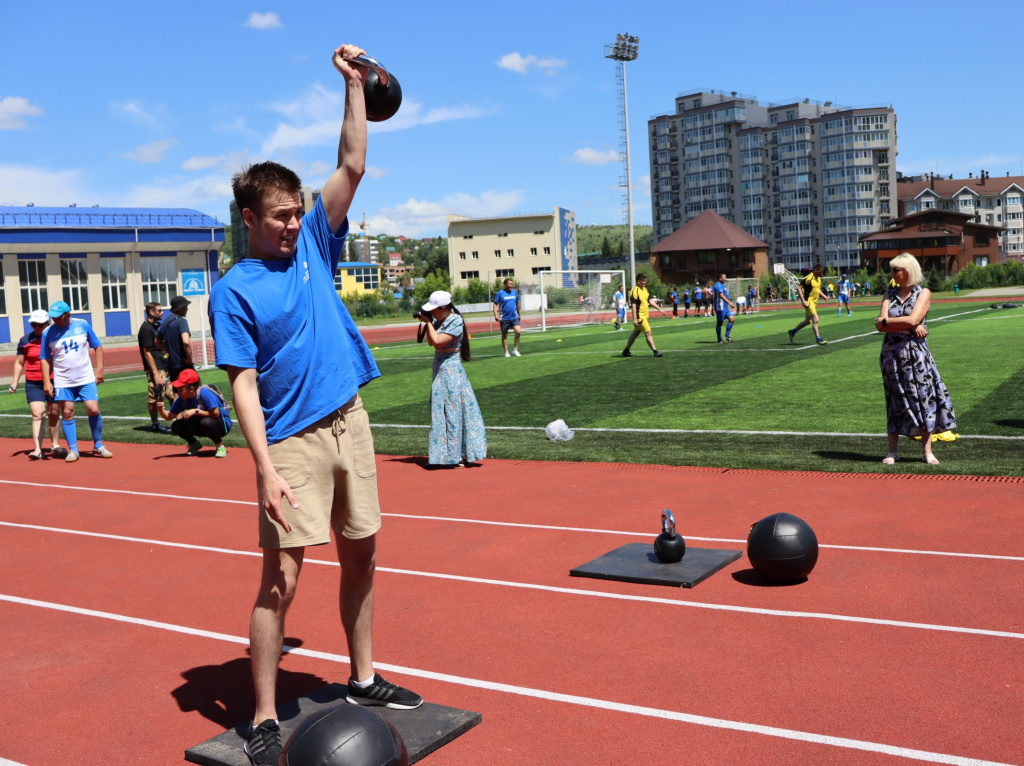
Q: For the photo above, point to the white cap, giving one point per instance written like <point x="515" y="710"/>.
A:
<point x="39" y="316"/>
<point x="437" y="299"/>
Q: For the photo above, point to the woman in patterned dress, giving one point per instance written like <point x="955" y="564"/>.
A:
<point x="916" y="400"/>
<point x="457" y="435"/>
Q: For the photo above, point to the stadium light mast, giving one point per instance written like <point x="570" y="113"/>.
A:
<point x="625" y="49"/>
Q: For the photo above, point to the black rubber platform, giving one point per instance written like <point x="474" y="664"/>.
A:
<point x="424" y="729"/>
<point x="636" y="562"/>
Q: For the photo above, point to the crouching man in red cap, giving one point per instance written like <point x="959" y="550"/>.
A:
<point x="197" y="411"/>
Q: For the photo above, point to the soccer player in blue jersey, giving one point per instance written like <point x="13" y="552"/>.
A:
<point x="296" y="362"/>
<point x="506" y="312"/>
<point x="845" y="290"/>
<point x="619" y="301"/>
<point x="724" y="309"/>
<point x="65" y="350"/>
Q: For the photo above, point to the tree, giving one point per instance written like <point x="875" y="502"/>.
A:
<point x="436" y="280"/>
<point x="606" y="248"/>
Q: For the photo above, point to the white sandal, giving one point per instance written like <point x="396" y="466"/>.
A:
<point x="890" y="459"/>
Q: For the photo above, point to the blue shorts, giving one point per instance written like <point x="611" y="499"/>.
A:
<point x="84" y="393"/>
<point x="622" y="314"/>
<point x="844" y="298"/>
<point x="34" y="392"/>
<point x="724" y="315"/>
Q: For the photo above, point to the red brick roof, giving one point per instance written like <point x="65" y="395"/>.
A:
<point x="708" y="231"/>
<point x="947" y="187"/>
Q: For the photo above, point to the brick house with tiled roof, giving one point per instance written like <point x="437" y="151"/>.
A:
<point x="708" y="246"/>
<point x="989" y="201"/>
<point x="944" y="240"/>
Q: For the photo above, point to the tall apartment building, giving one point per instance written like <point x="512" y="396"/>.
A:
<point x="806" y="177"/>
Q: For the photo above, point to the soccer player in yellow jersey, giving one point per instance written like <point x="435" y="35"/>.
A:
<point x="810" y="291"/>
<point x="639" y="302"/>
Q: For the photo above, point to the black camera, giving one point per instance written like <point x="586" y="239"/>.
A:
<point x="419" y="316"/>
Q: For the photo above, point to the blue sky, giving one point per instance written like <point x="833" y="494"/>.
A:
<point x="509" y="108"/>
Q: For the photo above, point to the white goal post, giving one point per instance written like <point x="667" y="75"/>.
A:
<point x="575" y="298"/>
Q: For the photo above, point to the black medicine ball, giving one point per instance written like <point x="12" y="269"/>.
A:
<point x="782" y="547"/>
<point x="345" y="735"/>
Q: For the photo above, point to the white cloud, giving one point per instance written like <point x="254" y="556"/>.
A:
<point x="135" y="112"/>
<point x="587" y="156"/>
<point x="268" y="20"/>
<point x="14" y="110"/>
<point x="22" y="184"/>
<point x="642" y="188"/>
<point x="152" y="152"/>
<point x="422" y="217"/>
<point x="375" y="172"/>
<point x="315" y="119"/>
<point x="516" y="62"/>
<point x="225" y="163"/>
<point x="212" y="188"/>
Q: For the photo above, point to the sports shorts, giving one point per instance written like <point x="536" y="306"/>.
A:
<point x="844" y="298"/>
<point x="332" y="472"/>
<point x="724" y="315"/>
<point x="34" y="392"/>
<point x="508" y="324"/>
<point x="167" y="390"/>
<point x="644" y="325"/>
<point x="87" y="392"/>
<point x="812" y="309"/>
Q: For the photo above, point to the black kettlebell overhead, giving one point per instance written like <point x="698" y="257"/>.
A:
<point x="668" y="546"/>
<point x="381" y="89"/>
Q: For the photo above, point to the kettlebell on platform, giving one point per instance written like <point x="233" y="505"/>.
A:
<point x="381" y="90"/>
<point x="668" y="546"/>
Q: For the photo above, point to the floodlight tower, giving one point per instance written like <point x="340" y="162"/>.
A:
<point x="625" y="49"/>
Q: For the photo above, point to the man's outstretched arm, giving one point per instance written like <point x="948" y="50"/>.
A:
<point x="340" y="188"/>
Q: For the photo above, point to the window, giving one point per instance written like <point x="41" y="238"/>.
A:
<point x="338" y="283"/>
<point x="32" y="275"/>
<point x="538" y="232"/>
<point x="504" y="272"/>
<point x="73" y="280"/>
<point x="1013" y="199"/>
<point x="503" y="234"/>
<point x="547" y="251"/>
<point x="115" y="283"/>
<point x="539" y="269"/>
<point x="369" y="278"/>
<point x="159" y="279"/>
<point x="533" y="251"/>
<point x="968" y="202"/>
<point x="981" y="240"/>
<point x="470" y="275"/>
<point x="462" y="256"/>
<point x="497" y="253"/>
<point x="511" y="253"/>
<point x="467" y="236"/>
<point x="981" y="260"/>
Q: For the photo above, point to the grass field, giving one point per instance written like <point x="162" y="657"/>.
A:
<point x="809" y="407"/>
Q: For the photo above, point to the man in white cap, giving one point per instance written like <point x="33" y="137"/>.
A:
<point x="296" y="362"/>
<point x="65" y="350"/>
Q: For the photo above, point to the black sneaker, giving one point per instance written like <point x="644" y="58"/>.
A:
<point x="657" y="353"/>
<point x="728" y="339"/>
<point x="264" y="744"/>
<point x="382" y="692"/>
<point x="160" y="428"/>
<point x="791" y="334"/>
<point x="627" y="352"/>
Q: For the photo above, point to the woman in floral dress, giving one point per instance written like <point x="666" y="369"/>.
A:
<point x="916" y="399"/>
<point x="457" y="435"/>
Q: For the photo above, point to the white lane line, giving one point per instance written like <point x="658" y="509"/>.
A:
<point x="559" y="590"/>
<point x="524" y="691"/>
<point x="548" y="527"/>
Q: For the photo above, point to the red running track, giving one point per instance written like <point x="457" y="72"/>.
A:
<point x="881" y="657"/>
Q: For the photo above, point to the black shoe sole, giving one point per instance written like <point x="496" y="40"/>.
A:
<point x="375" y="703"/>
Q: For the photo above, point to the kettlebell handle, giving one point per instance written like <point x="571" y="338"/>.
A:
<point x="668" y="523"/>
<point x="374" y="65"/>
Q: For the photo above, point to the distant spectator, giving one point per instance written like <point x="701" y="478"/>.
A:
<point x="41" y="405"/>
<point x="197" y="411"/>
<point x="507" y="312"/>
<point x="673" y="297"/>
<point x="686" y="302"/>
<point x="154" y="362"/>
<point x="177" y="338"/>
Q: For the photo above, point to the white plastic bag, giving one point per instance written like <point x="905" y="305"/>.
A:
<point x="558" y="431"/>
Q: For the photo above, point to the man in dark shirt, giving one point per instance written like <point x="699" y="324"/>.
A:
<point x="154" y="362"/>
<point x="176" y="338"/>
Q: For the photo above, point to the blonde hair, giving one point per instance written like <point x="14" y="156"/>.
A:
<point x="908" y="262"/>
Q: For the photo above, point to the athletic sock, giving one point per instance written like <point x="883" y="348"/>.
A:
<point x="70" y="434"/>
<point x="728" y="329"/>
<point x="96" y="425"/>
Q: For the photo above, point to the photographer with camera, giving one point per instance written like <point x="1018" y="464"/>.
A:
<point x="457" y="435"/>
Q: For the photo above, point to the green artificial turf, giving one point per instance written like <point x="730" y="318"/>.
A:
<point x="759" y="383"/>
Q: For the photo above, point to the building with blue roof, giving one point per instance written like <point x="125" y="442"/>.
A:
<point x="107" y="263"/>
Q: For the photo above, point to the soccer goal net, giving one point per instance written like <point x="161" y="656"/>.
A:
<point x="740" y="288"/>
<point x="574" y="298"/>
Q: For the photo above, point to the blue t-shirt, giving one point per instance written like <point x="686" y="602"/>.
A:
<point x="284" y="319"/>
<point x="204" y="400"/>
<point x="673" y="296"/>
<point x="67" y="350"/>
<point x="507" y="300"/>
<point x="686" y="296"/>
<point x="696" y="293"/>
<point x="721" y="294"/>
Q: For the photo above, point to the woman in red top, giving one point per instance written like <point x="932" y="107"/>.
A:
<point x="41" y="406"/>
